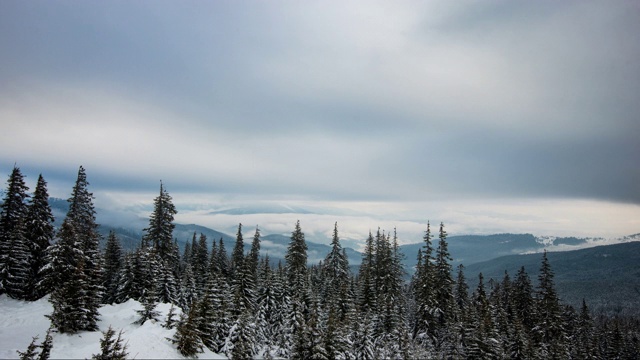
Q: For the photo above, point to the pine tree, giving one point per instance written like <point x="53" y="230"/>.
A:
<point x="424" y="291"/>
<point x="443" y="281"/>
<point x="253" y="257"/>
<point x="46" y="346"/>
<point x="237" y="256"/>
<point x="30" y="353"/>
<point x="148" y="311"/>
<point x="367" y="291"/>
<point x="70" y="314"/>
<point x="296" y="262"/>
<point x="111" y="349"/>
<point x="522" y="299"/>
<point x="242" y="335"/>
<point x="17" y="269"/>
<point x="187" y="338"/>
<point x="201" y="264"/>
<point x="82" y="216"/>
<point x="159" y="234"/>
<point x="113" y="262"/>
<point x="39" y="234"/>
<point x="170" y="322"/>
<point x="549" y="330"/>
<point x="14" y="212"/>
<point x="336" y="272"/>
<point x="223" y="260"/>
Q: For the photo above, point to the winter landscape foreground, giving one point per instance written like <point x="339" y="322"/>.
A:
<point x="22" y="320"/>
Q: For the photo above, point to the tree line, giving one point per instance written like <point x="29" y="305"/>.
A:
<point x="242" y="305"/>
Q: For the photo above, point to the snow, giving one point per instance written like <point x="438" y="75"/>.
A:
<point x="20" y="321"/>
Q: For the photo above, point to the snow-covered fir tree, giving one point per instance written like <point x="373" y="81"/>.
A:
<point x="113" y="263"/>
<point x="111" y="346"/>
<point x="12" y="216"/>
<point x="39" y="234"/>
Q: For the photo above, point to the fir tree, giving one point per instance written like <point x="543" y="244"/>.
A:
<point x="30" y="353"/>
<point x="336" y="272"/>
<point x="443" y="280"/>
<point x="237" y="256"/>
<point x="367" y="291"/>
<point x="549" y="330"/>
<point x="241" y="337"/>
<point x="253" y="257"/>
<point x="424" y="290"/>
<point x="159" y="234"/>
<point x="187" y="338"/>
<point x="223" y="259"/>
<point x="70" y="314"/>
<point x="296" y="258"/>
<point x="45" y="346"/>
<point x="111" y="349"/>
<point x="201" y="264"/>
<point x="148" y="311"/>
<point x="39" y="234"/>
<point x="170" y="322"/>
<point x="17" y="269"/>
<point x="82" y="216"/>
<point x="113" y="262"/>
<point x="13" y="214"/>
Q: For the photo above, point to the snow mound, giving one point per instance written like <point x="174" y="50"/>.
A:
<point x="20" y="321"/>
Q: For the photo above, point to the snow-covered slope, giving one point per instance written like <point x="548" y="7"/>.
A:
<point x="22" y="320"/>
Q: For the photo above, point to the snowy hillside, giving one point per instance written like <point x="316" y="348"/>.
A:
<point x="22" y="320"/>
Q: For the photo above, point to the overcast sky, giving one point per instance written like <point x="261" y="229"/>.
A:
<point x="491" y="116"/>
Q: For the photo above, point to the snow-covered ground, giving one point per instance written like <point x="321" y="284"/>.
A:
<point x="20" y="321"/>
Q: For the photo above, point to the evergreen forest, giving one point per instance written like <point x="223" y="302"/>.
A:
<point x="242" y="305"/>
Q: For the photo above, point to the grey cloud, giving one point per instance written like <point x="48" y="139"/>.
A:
<point x="498" y="99"/>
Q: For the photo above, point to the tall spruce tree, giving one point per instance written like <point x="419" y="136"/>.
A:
<point x="549" y="329"/>
<point x="39" y="233"/>
<point x="82" y="216"/>
<point x="423" y="288"/>
<point x="113" y="262"/>
<point x="237" y="256"/>
<point x="159" y="234"/>
<point x="336" y="276"/>
<point x="17" y="268"/>
<point x="443" y="281"/>
<point x="111" y="348"/>
<point x="14" y="212"/>
<point x="296" y="262"/>
<point x="367" y="291"/>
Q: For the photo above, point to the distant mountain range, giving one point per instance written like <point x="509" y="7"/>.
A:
<point x="608" y="276"/>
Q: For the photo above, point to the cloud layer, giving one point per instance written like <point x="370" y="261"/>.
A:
<point x="404" y="102"/>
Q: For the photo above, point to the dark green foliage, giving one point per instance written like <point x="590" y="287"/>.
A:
<point x="159" y="234"/>
<point x="148" y="311"/>
<point x="111" y="348"/>
<point x="170" y="322"/>
<point x="45" y="346"/>
<point x="17" y="267"/>
<point x="39" y="235"/>
<point x="30" y="353"/>
<point x="296" y="258"/>
<point x="69" y="300"/>
<point x="336" y="276"/>
<point x="12" y="217"/>
<point x="113" y="262"/>
<point x="201" y="264"/>
<point x="82" y="216"/>
<point x="187" y="338"/>
<point x="237" y="256"/>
